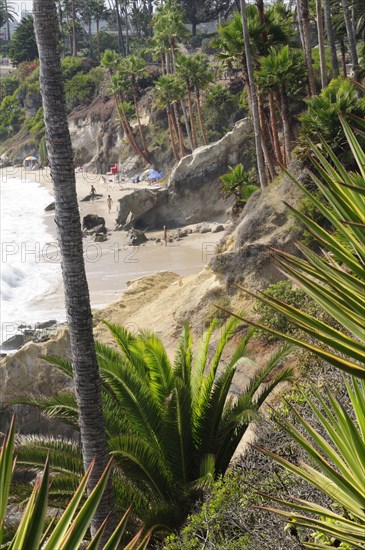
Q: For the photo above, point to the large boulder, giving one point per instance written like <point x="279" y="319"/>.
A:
<point x="24" y="373"/>
<point x="136" y="203"/>
<point x="135" y="238"/>
<point x="92" y="221"/>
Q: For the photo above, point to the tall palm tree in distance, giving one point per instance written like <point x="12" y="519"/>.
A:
<point x="253" y="100"/>
<point x="67" y="218"/>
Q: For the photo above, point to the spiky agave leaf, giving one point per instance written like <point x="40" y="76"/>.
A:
<point x="335" y="281"/>
<point x="340" y="466"/>
<point x="6" y="470"/>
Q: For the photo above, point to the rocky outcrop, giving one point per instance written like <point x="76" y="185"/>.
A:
<point x="92" y="221"/>
<point x="97" y="139"/>
<point x="194" y="192"/>
<point x="135" y="238"/>
<point x="265" y="223"/>
<point x="137" y="203"/>
<point x="26" y="372"/>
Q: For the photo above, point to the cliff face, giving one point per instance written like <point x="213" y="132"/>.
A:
<point x="95" y="135"/>
<point x="265" y="223"/>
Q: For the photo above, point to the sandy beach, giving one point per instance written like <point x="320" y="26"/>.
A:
<point x="111" y="264"/>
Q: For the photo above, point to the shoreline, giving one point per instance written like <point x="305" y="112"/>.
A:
<point x="111" y="265"/>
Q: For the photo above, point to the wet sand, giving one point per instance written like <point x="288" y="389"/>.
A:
<point x="111" y="264"/>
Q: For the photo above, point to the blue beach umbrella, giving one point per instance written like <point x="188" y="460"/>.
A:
<point x="153" y="175"/>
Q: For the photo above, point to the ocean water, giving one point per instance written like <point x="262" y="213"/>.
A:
<point x="29" y="263"/>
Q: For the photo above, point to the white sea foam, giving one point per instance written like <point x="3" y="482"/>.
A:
<point x="28" y="271"/>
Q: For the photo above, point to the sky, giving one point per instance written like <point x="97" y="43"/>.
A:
<point x="20" y="5"/>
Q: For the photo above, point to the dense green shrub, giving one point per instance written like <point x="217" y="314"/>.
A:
<point x="219" y="109"/>
<point x="35" y="124"/>
<point x="11" y="116"/>
<point x="74" y="65"/>
<point x="322" y="116"/>
<point x="23" y="46"/>
<point x="82" y="88"/>
<point x="8" y="85"/>
<point x="107" y="41"/>
<point x="42" y="152"/>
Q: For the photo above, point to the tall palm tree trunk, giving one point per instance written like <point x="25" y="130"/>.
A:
<point x="303" y="14"/>
<point x="274" y="128"/>
<point x="179" y="131"/>
<point x="67" y="218"/>
<point x="177" y="127"/>
<point x="191" y="116"/>
<point x="322" y="55"/>
<point x="187" y="123"/>
<point x="286" y="124"/>
<point x="98" y="37"/>
<point x="171" y="132"/>
<point x="254" y="103"/>
<point x="74" y="30"/>
<point x="350" y="31"/>
<point x="128" y="130"/>
<point x="171" y="68"/>
<point x="343" y="58"/>
<point x="331" y="37"/>
<point x="200" y="117"/>
<point x="140" y="129"/>
<point x="119" y="28"/>
<point x="90" y="36"/>
<point x="265" y="140"/>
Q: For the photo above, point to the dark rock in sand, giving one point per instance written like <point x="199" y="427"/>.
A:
<point x="14" y="342"/>
<point x="47" y="324"/>
<point x="217" y="228"/>
<point x="100" y="237"/>
<point x="135" y="237"/>
<point x="203" y="228"/>
<point x="50" y="207"/>
<point x="89" y="197"/>
<point x="92" y="221"/>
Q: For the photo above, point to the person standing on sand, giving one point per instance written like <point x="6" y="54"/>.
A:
<point x="92" y="193"/>
<point x="165" y="234"/>
<point x="109" y="200"/>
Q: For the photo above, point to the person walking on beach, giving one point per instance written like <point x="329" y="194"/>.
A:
<point x="109" y="200"/>
<point x="92" y="193"/>
<point x="165" y="234"/>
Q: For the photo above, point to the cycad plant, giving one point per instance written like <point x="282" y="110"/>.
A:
<point x="172" y="426"/>
<point x="335" y="280"/>
<point x="36" y="532"/>
<point x="240" y="183"/>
